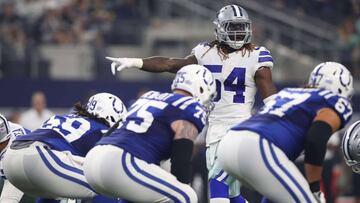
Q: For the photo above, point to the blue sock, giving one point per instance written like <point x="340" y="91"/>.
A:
<point x="43" y="200"/>
<point x="218" y="189"/>
<point x="104" y="199"/>
<point x="264" y="200"/>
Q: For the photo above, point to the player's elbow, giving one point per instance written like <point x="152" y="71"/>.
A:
<point x="172" y="65"/>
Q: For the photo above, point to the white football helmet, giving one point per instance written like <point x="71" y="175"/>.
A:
<point x="5" y="131"/>
<point x="107" y="106"/>
<point x="198" y="81"/>
<point x="351" y="146"/>
<point x="233" y="26"/>
<point x="334" y="77"/>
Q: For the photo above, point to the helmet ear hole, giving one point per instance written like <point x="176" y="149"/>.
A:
<point x="201" y="90"/>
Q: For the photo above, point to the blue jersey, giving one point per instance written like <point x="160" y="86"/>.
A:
<point x="68" y="133"/>
<point x="287" y="118"/>
<point x="146" y="132"/>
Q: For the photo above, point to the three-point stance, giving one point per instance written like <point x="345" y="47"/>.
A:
<point x="48" y="162"/>
<point x="157" y="127"/>
<point x="296" y="119"/>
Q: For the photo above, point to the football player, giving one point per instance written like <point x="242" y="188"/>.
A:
<point x="158" y="126"/>
<point x="239" y="68"/>
<point x="295" y="120"/>
<point x="48" y="162"/>
<point x="351" y="146"/>
<point x="8" y="132"/>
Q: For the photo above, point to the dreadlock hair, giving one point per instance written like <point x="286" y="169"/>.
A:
<point x="80" y="110"/>
<point x="221" y="46"/>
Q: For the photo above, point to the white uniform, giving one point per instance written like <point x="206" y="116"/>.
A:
<point x="10" y="194"/>
<point x="236" y="91"/>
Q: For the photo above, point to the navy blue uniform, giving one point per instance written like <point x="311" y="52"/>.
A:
<point x="146" y="133"/>
<point x="285" y="120"/>
<point x="68" y="133"/>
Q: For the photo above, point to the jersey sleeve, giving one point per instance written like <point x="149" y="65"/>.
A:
<point x="191" y="111"/>
<point x="342" y="107"/>
<point x="199" y="50"/>
<point x="17" y="129"/>
<point x="264" y="59"/>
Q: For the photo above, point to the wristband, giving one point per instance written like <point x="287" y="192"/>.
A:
<point x="138" y="63"/>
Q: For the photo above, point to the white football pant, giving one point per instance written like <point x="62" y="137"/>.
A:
<point x="114" y="172"/>
<point x="213" y="136"/>
<point x="47" y="173"/>
<point x="263" y="166"/>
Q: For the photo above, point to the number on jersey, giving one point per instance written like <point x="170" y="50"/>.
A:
<point x="70" y="128"/>
<point x="279" y="107"/>
<point x="235" y="82"/>
<point x="143" y="109"/>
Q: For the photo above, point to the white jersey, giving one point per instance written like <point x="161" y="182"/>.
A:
<point x="9" y="192"/>
<point x="235" y="83"/>
<point x="16" y="130"/>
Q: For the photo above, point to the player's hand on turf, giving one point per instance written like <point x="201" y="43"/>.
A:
<point x="319" y="196"/>
<point x="119" y="64"/>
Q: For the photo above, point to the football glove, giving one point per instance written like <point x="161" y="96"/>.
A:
<point x="319" y="197"/>
<point x="119" y="64"/>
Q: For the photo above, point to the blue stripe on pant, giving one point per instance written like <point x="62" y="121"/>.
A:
<point x="288" y="174"/>
<point x="67" y="177"/>
<point x="272" y="171"/>
<point x="158" y="180"/>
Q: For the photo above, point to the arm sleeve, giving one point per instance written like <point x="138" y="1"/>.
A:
<point x="199" y="50"/>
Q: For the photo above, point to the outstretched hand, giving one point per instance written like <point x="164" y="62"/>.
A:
<point x="119" y="64"/>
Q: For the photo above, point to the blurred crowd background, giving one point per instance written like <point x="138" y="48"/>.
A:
<point x="52" y="54"/>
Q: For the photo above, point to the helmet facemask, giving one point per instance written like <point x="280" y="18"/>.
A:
<point x="5" y="131"/>
<point x="234" y="33"/>
<point x="233" y="26"/>
<point x="351" y="147"/>
<point x="354" y="165"/>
